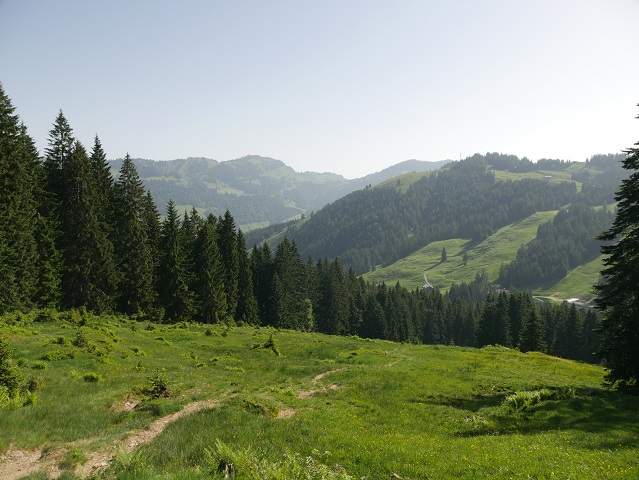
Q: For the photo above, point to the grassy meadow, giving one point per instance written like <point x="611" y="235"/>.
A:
<point x="500" y="247"/>
<point x="305" y="405"/>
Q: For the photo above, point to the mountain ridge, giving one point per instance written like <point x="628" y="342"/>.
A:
<point x="258" y="190"/>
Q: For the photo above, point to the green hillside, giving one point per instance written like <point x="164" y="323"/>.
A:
<point x="501" y="247"/>
<point x="277" y="404"/>
<point x="485" y="208"/>
<point x="259" y="191"/>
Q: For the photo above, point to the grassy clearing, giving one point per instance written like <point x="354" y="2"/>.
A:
<point x="379" y="408"/>
<point x="577" y="284"/>
<point x="501" y="247"/>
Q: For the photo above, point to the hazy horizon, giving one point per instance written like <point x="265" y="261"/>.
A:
<point x="343" y="87"/>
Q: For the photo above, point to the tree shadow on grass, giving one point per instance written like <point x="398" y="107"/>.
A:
<point x="610" y="417"/>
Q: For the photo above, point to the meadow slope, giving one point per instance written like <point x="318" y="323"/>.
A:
<point x="286" y="404"/>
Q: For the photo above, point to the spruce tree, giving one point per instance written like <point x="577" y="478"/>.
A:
<point x="227" y="243"/>
<point x="18" y="214"/>
<point x="618" y="293"/>
<point x="89" y="274"/>
<point x="532" y="333"/>
<point x="209" y="276"/>
<point x="262" y="274"/>
<point x="173" y="274"/>
<point x="134" y="254"/>
<point x="246" y="302"/>
<point x="58" y="153"/>
<point x="104" y="189"/>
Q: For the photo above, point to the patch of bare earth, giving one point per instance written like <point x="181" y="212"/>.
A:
<point x="15" y="464"/>
<point x="285" y="413"/>
<point x="304" y="394"/>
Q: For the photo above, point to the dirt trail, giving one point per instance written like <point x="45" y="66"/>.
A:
<point x="15" y="464"/>
<point x="309" y="393"/>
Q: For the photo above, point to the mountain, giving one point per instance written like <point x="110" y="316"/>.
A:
<point x="470" y="208"/>
<point x="258" y="190"/>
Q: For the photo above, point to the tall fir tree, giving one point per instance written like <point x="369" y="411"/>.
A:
<point x="104" y="188"/>
<point x="262" y="274"/>
<point x="133" y="248"/>
<point x="89" y="274"/>
<point x="618" y="293"/>
<point x="209" y="275"/>
<point x="18" y="211"/>
<point x="532" y="332"/>
<point x="246" y="310"/>
<point x="227" y="243"/>
<point x="173" y="274"/>
<point x="57" y="154"/>
<point x="289" y="293"/>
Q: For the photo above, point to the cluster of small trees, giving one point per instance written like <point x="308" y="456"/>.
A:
<point x="561" y="245"/>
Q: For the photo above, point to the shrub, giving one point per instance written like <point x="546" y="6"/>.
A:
<point x="91" y="377"/>
<point x="520" y="401"/>
<point x="55" y="355"/>
<point x="158" y="385"/>
<point x="247" y="463"/>
<point x="260" y="407"/>
<point x="40" y="365"/>
<point x="9" y="374"/>
<point x="73" y="458"/>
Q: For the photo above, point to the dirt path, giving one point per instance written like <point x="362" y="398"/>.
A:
<point x="304" y="394"/>
<point x="15" y="464"/>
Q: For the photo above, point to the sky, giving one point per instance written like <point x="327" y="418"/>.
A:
<point x="342" y="86"/>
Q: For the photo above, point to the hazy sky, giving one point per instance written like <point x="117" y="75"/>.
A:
<point x="344" y="86"/>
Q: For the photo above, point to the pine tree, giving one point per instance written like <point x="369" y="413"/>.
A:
<point x="173" y="276"/>
<point x="227" y="243"/>
<point x="618" y="293"/>
<point x="135" y="261"/>
<point x="532" y="333"/>
<point x="209" y="276"/>
<point x="58" y="154"/>
<point x="246" y="302"/>
<point x="89" y="275"/>
<point x="18" y="180"/>
<point x="289" y="293"/>
<point x="104" y="189"/>
<point x="262" y="274"/>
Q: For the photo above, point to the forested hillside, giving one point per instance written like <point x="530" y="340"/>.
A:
<point x="258" y="190"/>
<point x="470" y="199"/>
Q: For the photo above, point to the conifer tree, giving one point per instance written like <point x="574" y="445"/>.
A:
<point x="209" y="276"/>
<point x="289" y="294"/>
<point x="18" y="180"/>
<point x="58" y="154"/>
<point x="173" y="275"/>
<point x="227" y="243"/>
<point x="532" y="333"/>
<point x="104" y="189"/>
<point x="89" y="274"/>
<point x="618" y="293"/>
<point x="262" y="274"/>
<point x="136" y="291"/>
<point x="246" y="302"/>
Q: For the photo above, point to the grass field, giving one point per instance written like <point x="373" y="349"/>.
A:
<point x="501" y="247"/>
<point x="325" y="407"/>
